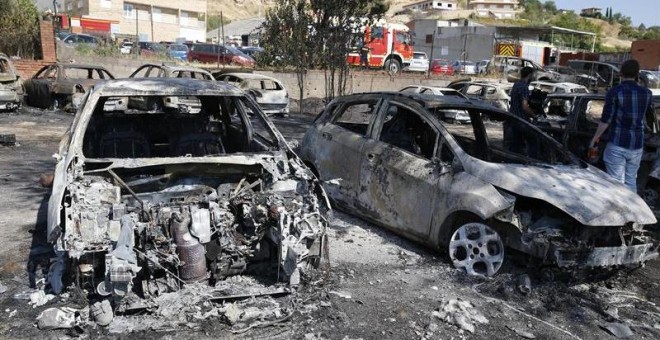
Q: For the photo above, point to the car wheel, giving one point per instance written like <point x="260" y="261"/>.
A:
<point x="393" y="66"/>
<point x="477" y="249"/>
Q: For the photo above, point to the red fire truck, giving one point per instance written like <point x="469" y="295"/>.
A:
<point x="389" y="45"/>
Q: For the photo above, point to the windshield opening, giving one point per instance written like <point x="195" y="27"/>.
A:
<point x="176" y="126"/>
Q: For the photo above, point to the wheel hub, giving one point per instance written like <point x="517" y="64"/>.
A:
<point x="477" y="249"/>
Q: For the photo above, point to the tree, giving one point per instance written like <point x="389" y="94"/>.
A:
<point x="19" y="28"/>
<point x="286" y="39"/>
<point x="550" y="7"/>
<point x="213" y="21"/>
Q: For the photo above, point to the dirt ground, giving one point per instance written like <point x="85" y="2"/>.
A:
<point x="377" y="285"/>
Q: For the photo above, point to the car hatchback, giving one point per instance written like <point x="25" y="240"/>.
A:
<point x="392" y="159"/>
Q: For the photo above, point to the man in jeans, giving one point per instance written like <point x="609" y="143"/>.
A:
<point x="517" y="135"/>
<point x="623" y="114"/>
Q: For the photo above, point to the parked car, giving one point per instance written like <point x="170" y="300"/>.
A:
<point x="649" y="79"/>
<point x="482" y="66"/>
<point x="185" y="104"/>
<point x="126" y="47"/>
<point x="550" y="87"/>
<point x="152" y="49"/>
<point x="77" y="39"/>
<point x="605" y="75"/>
<point x="419" y="63"/>
<point x="169" y="198"/>
<point x="389" y="158"/>
<point x="569" y="75"/>
<point x="464" y="67"/>
<point x="62" y="86"/>
<point x="269" y="93"/>
<point x="11" y="85"/>
<point x="442" y="66"/>
<point x="494" y="93"/>
<point x="178" y="51"/>
<point x="572" y="119"/>
<point x="510" y="66"/>
<point x="451" y="116"/>
<point x="226" y="55"/>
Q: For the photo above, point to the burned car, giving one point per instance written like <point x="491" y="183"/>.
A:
<point x="60" y="85"/>
<point x="494" y="93"/>
<point x="390" y="158"/>
<point x="11" y="85"/>
<point x="191" y="104"/>
<point x="572" y="119"/>
<point x="146" y="201"/>
<point x="269" y="92"/>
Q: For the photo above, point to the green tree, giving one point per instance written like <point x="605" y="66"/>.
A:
<point x="19" y="28"/>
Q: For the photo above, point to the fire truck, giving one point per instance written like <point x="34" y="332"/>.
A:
<point x="390" y="46"/>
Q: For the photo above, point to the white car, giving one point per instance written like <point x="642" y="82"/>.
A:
<point x="268" y="92"/>
<point x="420" y="63"/>
<point x="452" y="116"/>
<point x="482" y="66"/>
<point x="126" y="47"/>
<point x="557" y="87"/>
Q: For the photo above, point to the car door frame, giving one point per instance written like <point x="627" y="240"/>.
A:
<point x="418" y="218"/>
<point x="341" y="189"/>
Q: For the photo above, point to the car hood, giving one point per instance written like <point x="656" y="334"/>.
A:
<point x="586" y="194"/>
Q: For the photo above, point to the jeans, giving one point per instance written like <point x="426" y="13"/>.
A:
<point x="622" y="164"/>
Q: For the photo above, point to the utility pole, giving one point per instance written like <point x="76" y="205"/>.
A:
<point x="222" y="27"/>
<point x="137" y="33"/>
<point x="428" y="71"/>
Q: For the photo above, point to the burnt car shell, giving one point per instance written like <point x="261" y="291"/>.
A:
<point x="565" y="212"/>
<point x="59" y="84"/>
<point x="11" y="86"/>
<point x="200" y="209"/>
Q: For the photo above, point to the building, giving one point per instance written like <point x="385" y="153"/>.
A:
<point x="498" y="9"/>
<point x="647" y="52"/>
<point x="446" y="5"/>
<point x="591" y="12"/>
<point x="156" y="20"/>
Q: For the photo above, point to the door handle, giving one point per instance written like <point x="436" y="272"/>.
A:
<point x="326" y="135"/>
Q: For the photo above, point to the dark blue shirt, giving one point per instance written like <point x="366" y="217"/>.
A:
<point x="624" y="110"/>
<point x="519" y="92"/>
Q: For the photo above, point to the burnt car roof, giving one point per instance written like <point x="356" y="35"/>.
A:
<point x="432" y="101"/>
<point x="177" y="68"/>
<point x="165" y="87"/>
<point x="68" y="65"/>
<point x="576" y="95"/>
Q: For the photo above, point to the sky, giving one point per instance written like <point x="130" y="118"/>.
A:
<point x="640" y="11"/>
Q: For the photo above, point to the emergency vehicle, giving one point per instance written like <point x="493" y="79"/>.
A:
<point x="390" y="46"/>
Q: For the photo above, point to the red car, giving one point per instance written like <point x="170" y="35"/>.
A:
<point x="441" y="66"/>
<point x="212" y="53"/>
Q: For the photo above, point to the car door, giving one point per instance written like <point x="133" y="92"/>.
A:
<point x="399" y="178"/>
<point x="339" y="143"/>
<point x="584" y="120"/>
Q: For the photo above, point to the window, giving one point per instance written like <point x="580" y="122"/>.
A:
<point x="356" y="117"/>
<point x="429" y="38"/>
<point x="157" y="15"/>
<point x="128" y="11"/>
<point x="183" y="20"/>
<point x="407" y="130"/>
<point x="592" y="114"/>
<point x="81" y="73"/>
<point x="377" y="32"/>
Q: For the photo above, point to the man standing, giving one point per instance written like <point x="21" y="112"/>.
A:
<point x="364" y="55"/>
<point x="623" y="113"/>
<point x="516" y="135"/>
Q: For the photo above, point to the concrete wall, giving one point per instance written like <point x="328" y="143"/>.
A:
<point x="449" y="41"/>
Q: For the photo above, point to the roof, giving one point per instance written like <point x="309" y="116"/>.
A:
<point x="433" y="101"/>
<point x="69" y="65"/>
<point x="165" y="86"/>
<point x="249" y="76"/>
<point x="178" y="68"/>
<point x="238" y="27"/>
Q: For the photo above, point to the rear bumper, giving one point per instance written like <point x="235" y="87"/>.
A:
<point x="274" y="108"/>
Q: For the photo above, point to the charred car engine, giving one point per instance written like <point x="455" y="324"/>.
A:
<point x="153" y="233"/>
